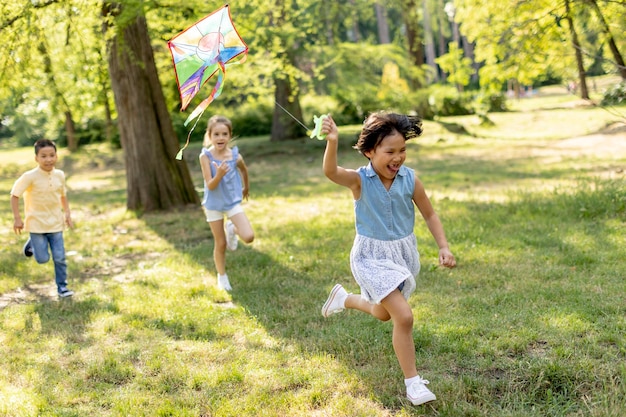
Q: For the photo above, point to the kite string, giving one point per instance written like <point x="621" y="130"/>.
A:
<point x="292" y="116"/>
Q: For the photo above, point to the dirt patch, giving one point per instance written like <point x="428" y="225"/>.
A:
<point x="610" y="141"/>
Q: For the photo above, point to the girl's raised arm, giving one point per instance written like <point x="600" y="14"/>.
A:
<point x="339" y="175"/>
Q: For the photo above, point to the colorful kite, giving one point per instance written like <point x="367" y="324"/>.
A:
<point x="208" y="47"/>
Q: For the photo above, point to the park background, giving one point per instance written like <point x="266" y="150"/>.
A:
<point x="523" y="155"/>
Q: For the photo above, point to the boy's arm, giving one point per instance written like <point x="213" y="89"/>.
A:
<point x="66" y="210"/>
<point x="18" y="224"/>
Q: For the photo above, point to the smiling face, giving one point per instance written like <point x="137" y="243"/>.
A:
<point x="46" y="158"/>
<point x="388" y="156"/>
<point x="219" y="136"/>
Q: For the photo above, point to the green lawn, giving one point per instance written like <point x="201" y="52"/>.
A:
<point x="530" y="324"/>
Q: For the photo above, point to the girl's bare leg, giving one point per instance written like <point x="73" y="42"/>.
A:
<point x="219" y="249"/>
<point x="243" y="228"/>
<point x="396" y="308"/>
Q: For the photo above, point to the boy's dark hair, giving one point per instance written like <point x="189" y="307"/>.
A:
<point x="44" y="143"/>
<point x="381" y="124"/>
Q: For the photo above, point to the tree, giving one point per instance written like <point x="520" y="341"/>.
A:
<point x="617" y="56"/>
<point x="582" y="76"/>
<point x="458" y="67"/>
<point x="58" y="98"/>
<point x="49" y="61"/>
<point x="520" y="41"/>
<point x="429" y="40"/>
<point x="414" y="37"/>
<point x="155" y="179"/>
<point x="383" y="25"/>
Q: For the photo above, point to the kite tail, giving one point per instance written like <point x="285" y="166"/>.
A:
<point x="179" y="155"/>
<point x="198" y="111"/>
<point x="217" y="90"/>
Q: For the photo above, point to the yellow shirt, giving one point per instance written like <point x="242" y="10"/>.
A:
<point x="42" y="192"/>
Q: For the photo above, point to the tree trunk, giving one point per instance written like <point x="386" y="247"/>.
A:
<point x="582" y="76"/>
<point x="430" y="43"/>
<point x="619" y="60"/>
<point x="70" y="131"/>
<point x="287" y="112"/>
<point x="155" y="179"/>
<point x="284" y="127"/>
<point x="383" y="26"/>
<point x="468" y="50"/>
<point x="59" y="101"/>
<point x="441" y="40"/>
<point x="414" y="37"/>
<point x="355" y="33"/>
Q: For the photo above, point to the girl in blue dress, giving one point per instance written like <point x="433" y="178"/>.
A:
<point x="225" y="186"/>
<point x="384" y="258"/>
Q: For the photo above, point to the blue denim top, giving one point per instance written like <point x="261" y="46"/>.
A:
<point x="382" y="214"/>
<point x="229" y="191"/>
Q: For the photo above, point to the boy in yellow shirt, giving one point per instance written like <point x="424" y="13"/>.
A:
<point x="46" y="212"/>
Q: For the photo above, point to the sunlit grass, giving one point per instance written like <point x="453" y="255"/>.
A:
<point x="531" y="323"/>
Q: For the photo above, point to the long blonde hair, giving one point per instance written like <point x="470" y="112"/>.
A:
<point x="211" y="123"/>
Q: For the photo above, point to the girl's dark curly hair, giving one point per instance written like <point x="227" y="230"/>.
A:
<point x="381" y="124"/>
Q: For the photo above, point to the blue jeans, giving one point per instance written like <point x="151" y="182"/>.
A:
<point x="40" y="242"/>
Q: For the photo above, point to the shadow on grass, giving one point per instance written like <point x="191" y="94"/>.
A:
<point x="532" y="252"/>
<point x="517" y="261"/>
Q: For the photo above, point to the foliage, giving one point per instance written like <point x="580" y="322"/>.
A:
<point x="615" y="95"/>
<point x="458" y="67"/>
<point x="519" y="41"/>
<point x="355" y="77"/>
<point x="64" y="39"/>
<point x="447" y="101"/>
<point x="491" y="102"/>
<point x="325" y="48"/>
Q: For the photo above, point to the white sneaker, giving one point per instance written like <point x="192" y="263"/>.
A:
<point x="336" y="301"/>
<point x="417" y="392"/>
<point x="223" y="283"/>
<point x="231" y="236"/>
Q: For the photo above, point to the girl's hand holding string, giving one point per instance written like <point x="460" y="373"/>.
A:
<point x="329" y="128"/>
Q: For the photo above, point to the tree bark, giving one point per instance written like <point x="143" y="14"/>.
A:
<point x="383" y="26"/>
<point x="59" y="102"/>
<point x="414" y="37"/>
<point x="582" y="76"/>
<point x="355" y="33"/>
<point x="287" y="112"/>
<point x="619" y="60"/>
<point x="441" y="39"/>
<point x="70" y="131"/>
<point x="155" y="179"/>
<point x="284" y="127"/>
<point x="430" y="43"/>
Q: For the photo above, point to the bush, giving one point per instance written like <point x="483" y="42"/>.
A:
<point x="615" y="95"/>
<point x="492" y="103"/>
<point x="251" y="119"/>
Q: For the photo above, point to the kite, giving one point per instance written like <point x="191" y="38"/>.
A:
<point x="207" y="47"/>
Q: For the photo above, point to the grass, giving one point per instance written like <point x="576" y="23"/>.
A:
<point x="531" y="323"/>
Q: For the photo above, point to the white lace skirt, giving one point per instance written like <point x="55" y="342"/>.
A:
<point x="380" y="266"/>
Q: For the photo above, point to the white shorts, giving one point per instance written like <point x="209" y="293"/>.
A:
<point x="215" y="215"/>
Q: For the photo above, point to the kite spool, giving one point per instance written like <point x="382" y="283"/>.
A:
<point x="317" y="131"/>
